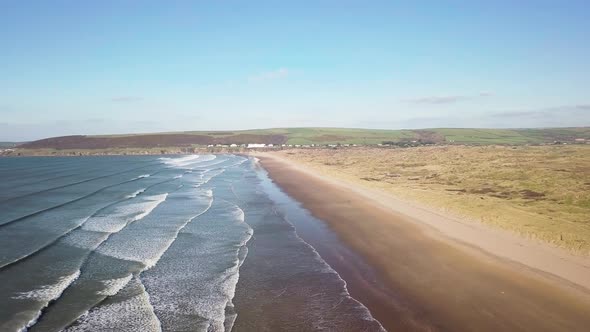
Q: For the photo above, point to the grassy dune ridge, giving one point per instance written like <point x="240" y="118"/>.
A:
<point x="542" y="192"/>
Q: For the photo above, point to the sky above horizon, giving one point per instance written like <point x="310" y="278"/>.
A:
<point x="106" y="67"/>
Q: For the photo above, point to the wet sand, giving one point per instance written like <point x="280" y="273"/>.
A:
<point x="425" y="278"/>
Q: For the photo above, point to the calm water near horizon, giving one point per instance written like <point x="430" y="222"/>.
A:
<point x="148" y="243"/>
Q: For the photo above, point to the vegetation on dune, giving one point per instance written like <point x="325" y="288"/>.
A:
<point x="485" y="136"/>
<point x="541" y="192"/>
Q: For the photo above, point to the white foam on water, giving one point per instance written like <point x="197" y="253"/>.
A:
<point x="84" y="239"/>
<point x="213" y="308"/>
<point x="182" y="162"/>
<point x="136" y="193"/>
<point x="123" y="215"/>
<point x="239" y="213"/>
<point x="241" y="254"/>
<point x="139" y="249"/>
<point x="225" y="164"/>
<point x="131" y="311"/>
<point x="142" y="176"/>
<point x="146" y="252"/>
<point x="326" y="268"/>
<point x="49" y="292"/>
<point x="89" y="238"/>
<point x="46" y="294"/>
<point x="210" y="292"/>
<point x="151" y="262"/>
<point x="113" y="286"/>
<point x="214" y="165"/>
<point x="179" y="160"/>
<point x="149" y="253"/>
<point x="210" y="174"/>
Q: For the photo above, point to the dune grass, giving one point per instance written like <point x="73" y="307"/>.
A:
<point x="541" y="192"/>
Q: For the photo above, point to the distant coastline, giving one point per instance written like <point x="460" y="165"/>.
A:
<point x="283" y="138"/>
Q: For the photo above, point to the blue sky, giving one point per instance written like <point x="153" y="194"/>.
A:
<point x="82" y="67"/>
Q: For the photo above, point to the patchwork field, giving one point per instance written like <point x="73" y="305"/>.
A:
<point x="541" y="192"/>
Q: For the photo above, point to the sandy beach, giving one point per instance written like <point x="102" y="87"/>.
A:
<point x="433" y="272"/>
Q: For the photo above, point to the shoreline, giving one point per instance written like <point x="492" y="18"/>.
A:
<point x="422" y="257"/>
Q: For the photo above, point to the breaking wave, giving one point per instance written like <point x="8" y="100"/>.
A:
<point x="182" y="162"/>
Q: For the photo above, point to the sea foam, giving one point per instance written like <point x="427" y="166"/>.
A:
<point x="129" y="310"/>
<point x="49" y="292"/>
<point x="45" y="294"/>
<point x="182" y="162"/>
<point x="149" y="243"/>
<point x="197" y="276"/>
<point x="113" y="286"/>
<point x="116" y="219"/>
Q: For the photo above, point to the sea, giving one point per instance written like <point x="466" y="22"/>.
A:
<point x="152" y="243"/>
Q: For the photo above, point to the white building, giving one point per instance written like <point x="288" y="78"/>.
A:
<point x="255" y="145"/>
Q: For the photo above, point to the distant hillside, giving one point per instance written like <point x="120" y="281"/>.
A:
<point x="317" y="136"/>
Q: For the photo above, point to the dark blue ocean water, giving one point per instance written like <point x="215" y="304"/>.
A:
<point x="144" y="243"/>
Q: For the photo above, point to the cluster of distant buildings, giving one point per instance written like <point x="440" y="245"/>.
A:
<point x="275" y="146"/>
<point x="404" y="143"/>
<point x="575" y="141"/>
<point x="248" y="146"/>
<point x="384" y="144"/>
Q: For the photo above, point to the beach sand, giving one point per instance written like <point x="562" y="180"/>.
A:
<point x="437" y="273"/>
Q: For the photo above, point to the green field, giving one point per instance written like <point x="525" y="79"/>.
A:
<point x="324" y="136"/>
<point x="513" y="136"/>
<point x="440" y="135"/>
